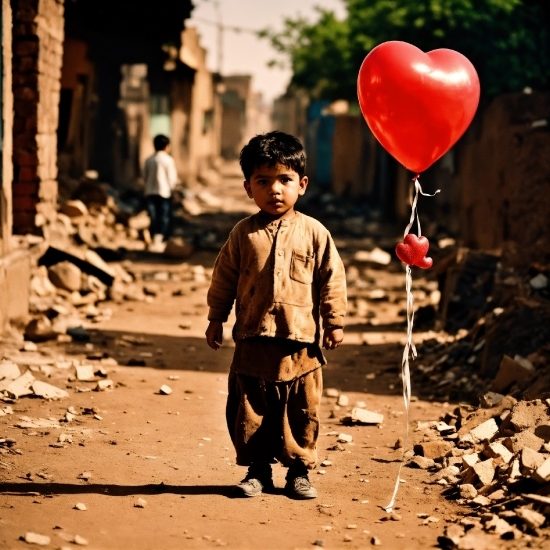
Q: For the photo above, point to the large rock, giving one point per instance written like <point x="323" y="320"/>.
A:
<point x="511" y="372"/>
<point x="65" y="275"/>
<point x="433" y="449"/>
<point x="527" y="415"/>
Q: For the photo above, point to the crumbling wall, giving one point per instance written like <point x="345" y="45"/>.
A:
<point x="501" y="180"/>
<point x="37" y="58"/>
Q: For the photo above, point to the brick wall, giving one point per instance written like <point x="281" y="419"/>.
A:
<point x="37" y="58"/>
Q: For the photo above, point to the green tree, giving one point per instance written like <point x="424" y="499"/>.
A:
<point x="506" y="40"/>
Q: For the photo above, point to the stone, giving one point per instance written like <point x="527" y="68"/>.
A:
<point x="20" y="386"/>
<point x="363" y="416"/>
<point x="433" y="449"/>
<point x="531" y="460"/>
<point x="140" y="221"/>
<point x="66" y="275"/>
<point x="496" y="449"/>
<point x="421" y="462"/>
<point x="74" y="209"/>
<point x="510" y="372"/>
<point x="479" y="416"/>
<point x="104" y="385"/>
<point x="165" y="390"/>
<point x="485" y="471"/>
<point x="491" y="398"/>
<point x="468" y="491"/>
<point x="331" y="392"/>
<point x="8" y="371"/>
<point x="344" y="438"/>
<point x="35" y="538"/>
<point x="326" y="463"/>
<point x="80" y="506"/>
<point x="498" y="526"/>
<point x="343" y="400"/>
<point x="176" y="247"/>
<point x="140" y="503"/>
<point x="484" y="431"/>
<point x="532" y="518"/>
<point x="47" y="391"/>
<point x="80" y="541"/>
<point x="375" y="541"/>
<point x="523" y="439"/>
<point x="469" y="460"/>
<point x="79" y="334"/>
<point x="84" y="373"/>
<point x="539" y="282"/>
<point x="526" y="415"/>
<point x="481" y="500"/>
<point x="542" y="475"/>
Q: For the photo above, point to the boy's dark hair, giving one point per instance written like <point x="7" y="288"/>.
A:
<point x="271" y="149"/>
<point x="160" y="142"/>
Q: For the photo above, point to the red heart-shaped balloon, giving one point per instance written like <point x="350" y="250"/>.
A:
<point x="417" y="104"/>
<point x="413" y="249"/>
<point x="424" y="263"/>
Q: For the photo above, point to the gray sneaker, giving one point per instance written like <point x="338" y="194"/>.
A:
<point x="300" y="488"/>
<point x="256" y="482"/>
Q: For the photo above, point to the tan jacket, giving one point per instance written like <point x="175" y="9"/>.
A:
<point x="284" y="275"/>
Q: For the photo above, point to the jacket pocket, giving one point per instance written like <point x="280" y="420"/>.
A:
<point x="301" y="267"/>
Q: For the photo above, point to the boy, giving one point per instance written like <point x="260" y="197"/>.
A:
<point x="284" y="271"/>
<point x="160" y="180"/>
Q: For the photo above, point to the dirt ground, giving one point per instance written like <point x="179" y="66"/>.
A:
<point x="173" y="451"/>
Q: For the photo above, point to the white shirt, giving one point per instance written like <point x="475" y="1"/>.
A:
<point x="160" y="175"/>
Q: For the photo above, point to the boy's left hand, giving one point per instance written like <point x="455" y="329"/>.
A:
<point x="332" y="337"/>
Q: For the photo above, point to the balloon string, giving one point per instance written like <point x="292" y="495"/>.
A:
<point x="410" y="349"/>
<point x="414" y="212"/>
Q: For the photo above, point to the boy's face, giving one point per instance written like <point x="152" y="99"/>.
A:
<point x="275" y="189"/>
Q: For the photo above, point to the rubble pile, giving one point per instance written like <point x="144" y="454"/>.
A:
<point x="495" y="461"/>
<point x="499" y="320"/>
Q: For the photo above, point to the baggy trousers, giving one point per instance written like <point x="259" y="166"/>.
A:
<point x="274" y="421"/>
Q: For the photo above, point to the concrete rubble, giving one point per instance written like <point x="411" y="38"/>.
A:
<point x="503" y="485"/>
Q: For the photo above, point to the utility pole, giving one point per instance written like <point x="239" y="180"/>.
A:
<point x="220" y="35"/>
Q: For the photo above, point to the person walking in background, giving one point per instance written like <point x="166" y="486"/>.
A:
<point x="160" y="180"/>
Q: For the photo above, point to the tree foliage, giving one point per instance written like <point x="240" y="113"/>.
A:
<point x="506" y="40"/>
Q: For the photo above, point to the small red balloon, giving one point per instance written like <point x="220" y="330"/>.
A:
<point x="417" y="104"/>
<point x="413" y="250"/>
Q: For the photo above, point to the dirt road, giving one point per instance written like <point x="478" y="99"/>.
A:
<point x="156" y="471"/>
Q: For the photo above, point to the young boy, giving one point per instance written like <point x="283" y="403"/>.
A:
<point x="160" y="180"/>
<point x="284" y="272"/>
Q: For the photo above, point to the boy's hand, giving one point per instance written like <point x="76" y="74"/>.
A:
<point x="214" y="334"/>
<point x="332" y="337"/>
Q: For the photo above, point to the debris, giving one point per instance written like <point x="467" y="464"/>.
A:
<point x="35" y="538"/>
<point x="81" y="541"/>
<point x="532" y="518"/>
<point x="343" y="400"/>
<point x="86" y="476"/>
<point x="344" y="438"/>
<point x="421" y="462"/>
<point x="20" y="386"/>
<point x="140" y="503"/>
<point x="103" y="385"/>
<point x="84" y="373"/>
<point x="331" y="392"/>
<point x="165" y="390"/>
<point x="375" y="541"/>
<point x="80" y="506"/>
<point x="363" y="416"/>
<point x="511" y="372"/>
<point x="485" y="431"/>
<point x="65" y="275"/>
<point x="433" y="449"/>
<point x="47" y="391"/>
